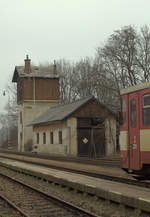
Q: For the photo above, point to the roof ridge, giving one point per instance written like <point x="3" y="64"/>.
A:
<point x="37" y="68"/>
<point x="60" y="112"/>
<point x="59" y="105"/>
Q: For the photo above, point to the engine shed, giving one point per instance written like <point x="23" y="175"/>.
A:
<point x="82" y="128"/>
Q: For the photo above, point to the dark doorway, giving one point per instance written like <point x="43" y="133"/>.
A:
<point x="84" y="138"/>
<point x="91" y="142"/>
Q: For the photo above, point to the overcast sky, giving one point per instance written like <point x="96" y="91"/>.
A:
<point x="54" y="29"/>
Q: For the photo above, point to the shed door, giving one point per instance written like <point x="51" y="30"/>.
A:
<point x="84" y="139"/>
<point x="91" y="142"/>
<point x="97" y="142"/>
<point x="134" y="141"/>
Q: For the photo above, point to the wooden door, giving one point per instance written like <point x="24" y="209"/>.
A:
<point x="91" y="142"/>
<point x="97" y="142"/>
<point x="84" y="139"/>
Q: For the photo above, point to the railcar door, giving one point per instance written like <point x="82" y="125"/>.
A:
<point x="134" y="139"/>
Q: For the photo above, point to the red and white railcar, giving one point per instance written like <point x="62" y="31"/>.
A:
<point x="135" y="129"/>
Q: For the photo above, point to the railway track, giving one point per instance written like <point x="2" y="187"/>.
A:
<point x="126" y="180"/>
<point x="113" y="161"/>
<point x="7" y="208"/>
<point x="42" y="182"/>
<point x="35" y="203"/>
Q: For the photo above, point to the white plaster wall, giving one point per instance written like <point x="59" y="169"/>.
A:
<point x="55" y="148"/>
<point x="30" y="111"/>
<point x="110" y="136"/>
<point x="69" y="138"/>
<point x="72" y="127"/>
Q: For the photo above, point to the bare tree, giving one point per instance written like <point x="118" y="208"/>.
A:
<point x="68" y="81"/>
<point x="143" y="54"/>
<point x="118" y="56"/>
<point x="85" y="77"/>
<point x="123" y="61"/>
<point x="9" y="118"/>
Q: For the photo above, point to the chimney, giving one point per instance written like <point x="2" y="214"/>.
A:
<point x="54" y="67"/>
<point x="27" y="67"/>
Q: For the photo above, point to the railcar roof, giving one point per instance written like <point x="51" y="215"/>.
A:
<point x="135" y="88"/>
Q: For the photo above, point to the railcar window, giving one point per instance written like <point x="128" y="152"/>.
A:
<point x="133" y="113"/>
<point x="123" y="106"/>
<point x="146" y="110"/>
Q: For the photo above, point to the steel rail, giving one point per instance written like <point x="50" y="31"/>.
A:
<point x="130" y="181"/>
<point x="14" y="205"/>
<point x="55" y="199"/>
<point x="115" y="162"/>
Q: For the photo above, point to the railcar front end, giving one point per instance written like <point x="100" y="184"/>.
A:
<point x="135" y="129"/>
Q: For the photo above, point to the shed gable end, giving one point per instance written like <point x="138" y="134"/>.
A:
<point x="91" y="109"/>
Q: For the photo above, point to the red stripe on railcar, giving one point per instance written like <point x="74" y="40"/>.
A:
<point x="145" y="157"/>
<point x="124" y="160"/>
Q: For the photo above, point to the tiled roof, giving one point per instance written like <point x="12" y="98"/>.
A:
<point x="35" y="72"/>
<point x="60" y="112"/>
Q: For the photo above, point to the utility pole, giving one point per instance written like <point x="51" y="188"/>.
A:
<point x="8" y="127"/>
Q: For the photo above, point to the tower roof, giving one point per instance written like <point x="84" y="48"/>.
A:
<point x="29" y="71"/>
<point x="35" y="72"/>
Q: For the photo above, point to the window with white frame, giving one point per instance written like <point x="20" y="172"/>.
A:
<point x="146" y="110"/>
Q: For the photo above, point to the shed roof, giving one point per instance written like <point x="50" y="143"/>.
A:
<point x="35" y="72"/>
<point x="60" y="112"/>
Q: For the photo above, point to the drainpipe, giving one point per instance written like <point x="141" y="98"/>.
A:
<point x="68" y="139"/>
<point x="23" y="131"/>
<point x="34" y="90"/>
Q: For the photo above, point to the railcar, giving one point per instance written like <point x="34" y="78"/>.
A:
<point x="134" y="135"/>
